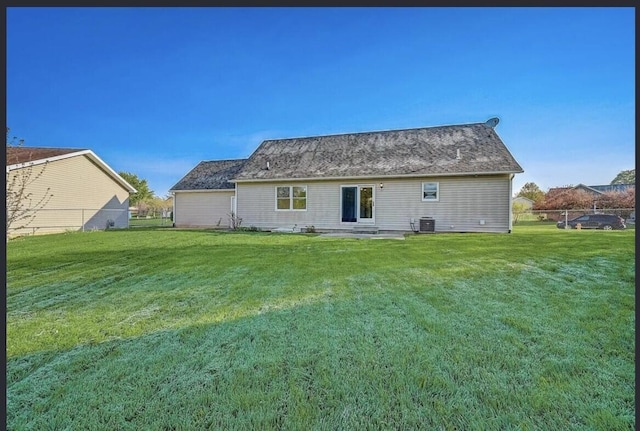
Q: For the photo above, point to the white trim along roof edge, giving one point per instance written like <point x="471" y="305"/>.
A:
<point x="87" y="153"/>
<point x="202" y="191"/>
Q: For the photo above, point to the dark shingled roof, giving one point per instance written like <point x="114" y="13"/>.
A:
<point x="20" y="154"/>
<point x="211" y="175"/>
<point x="411" y="152"/>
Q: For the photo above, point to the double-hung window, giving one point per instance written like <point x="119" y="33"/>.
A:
<point x="291" y="198"/>
<point x="430" y="192"/>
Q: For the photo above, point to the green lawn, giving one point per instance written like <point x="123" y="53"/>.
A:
<point x="161" y="329"/>
<point x="150" y="222"/>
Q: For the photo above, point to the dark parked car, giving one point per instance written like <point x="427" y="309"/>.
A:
<point x="595" y="221"/>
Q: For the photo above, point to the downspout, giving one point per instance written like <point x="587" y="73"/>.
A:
<point x="235" y="201"/>
<point x="173" y="210"/>
<point x="511" y="202"/>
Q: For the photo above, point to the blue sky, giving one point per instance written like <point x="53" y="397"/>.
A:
<point x="154" y="91"/>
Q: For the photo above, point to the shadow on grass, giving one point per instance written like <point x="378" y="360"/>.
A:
<point x="368" y="361"/>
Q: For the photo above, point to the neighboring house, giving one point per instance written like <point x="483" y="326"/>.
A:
<point x="459" y="175"/>
<point x="85" y="192"/>
<point x="595" y="190"/>
<point x="205" y="197"/>
<point x="526" y="202"/>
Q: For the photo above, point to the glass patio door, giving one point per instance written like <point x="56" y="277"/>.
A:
<point x="357" y="203"/>
<point x="365" y="195"/>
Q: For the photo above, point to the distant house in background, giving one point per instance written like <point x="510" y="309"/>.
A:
<point x="204" y="197"/>
<point x="86" y="193"/>
<point x="459" y="175"/>
<point x="526" y="202"/>
<point x="612" y="187"/>
<point x="595" y="190"/>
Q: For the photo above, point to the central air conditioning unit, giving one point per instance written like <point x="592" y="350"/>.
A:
<point x="427" y="225"/>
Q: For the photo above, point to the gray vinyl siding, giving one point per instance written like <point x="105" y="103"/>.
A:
<point x="463" y="202"/>
<point x="256" y="205"/>
<point x="84" y="197"/>
<point x="203" y="209"/>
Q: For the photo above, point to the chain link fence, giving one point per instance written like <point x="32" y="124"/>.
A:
<point x="70" y="220"/>
<point x="628" y="214"/>
<point x="88" y="219"/>
<point x="164" y="219"/>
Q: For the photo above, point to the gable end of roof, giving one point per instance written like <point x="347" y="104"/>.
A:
<point x="21" y="157"/>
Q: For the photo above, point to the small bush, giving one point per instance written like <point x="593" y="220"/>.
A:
<point x="247" y="229"/>
<point x="310" y="229"/>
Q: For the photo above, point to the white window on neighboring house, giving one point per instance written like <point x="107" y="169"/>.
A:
<point x="431" y="192"/>
<point x="291" y="198"/>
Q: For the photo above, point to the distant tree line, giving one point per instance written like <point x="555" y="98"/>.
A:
<point x="625" y="177"/>
<point x="144" y="200"/>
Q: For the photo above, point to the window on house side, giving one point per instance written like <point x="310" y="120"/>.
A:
<point x="431" y="192"/>
<point x="299" y="198"/>
<point x="283" y="198"/>
<point x="291" y="198"/>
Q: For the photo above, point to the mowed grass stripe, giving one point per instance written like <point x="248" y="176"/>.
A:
<point x="164" y="329"/>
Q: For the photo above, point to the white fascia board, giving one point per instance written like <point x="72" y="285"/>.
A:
<point x="111" y="172"/>
<point x="202" y="191"/>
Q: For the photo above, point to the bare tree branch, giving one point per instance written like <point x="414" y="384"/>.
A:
<point x="22" y="205"/>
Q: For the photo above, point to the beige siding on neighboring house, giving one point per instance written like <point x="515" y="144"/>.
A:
<point x="203" y="209"/>
<point x="84" y="197"/>
<point x="463" y="203"/>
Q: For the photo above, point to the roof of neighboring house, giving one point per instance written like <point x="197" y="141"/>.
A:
<point x="425" y="151"/>
<point x="560" y="189"/>
<point x="19" y="154"/>
<point x="587" y="188"/>
<point x="596" y="190"/>
<point x="19" y="157"/>
<point x="210" y="175"/>
<point x="523" y="198"/>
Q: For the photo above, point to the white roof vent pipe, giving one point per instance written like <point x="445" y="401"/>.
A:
<point x="268" y="166"/>
<point x="458" y="154"/>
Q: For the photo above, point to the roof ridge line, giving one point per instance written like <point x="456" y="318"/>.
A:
<point x="374" y="131"/>
<point x="224" y="160"/>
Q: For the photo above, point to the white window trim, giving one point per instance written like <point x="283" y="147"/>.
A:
<point x="437" y="199"/>
<point x="306" y="199"/>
